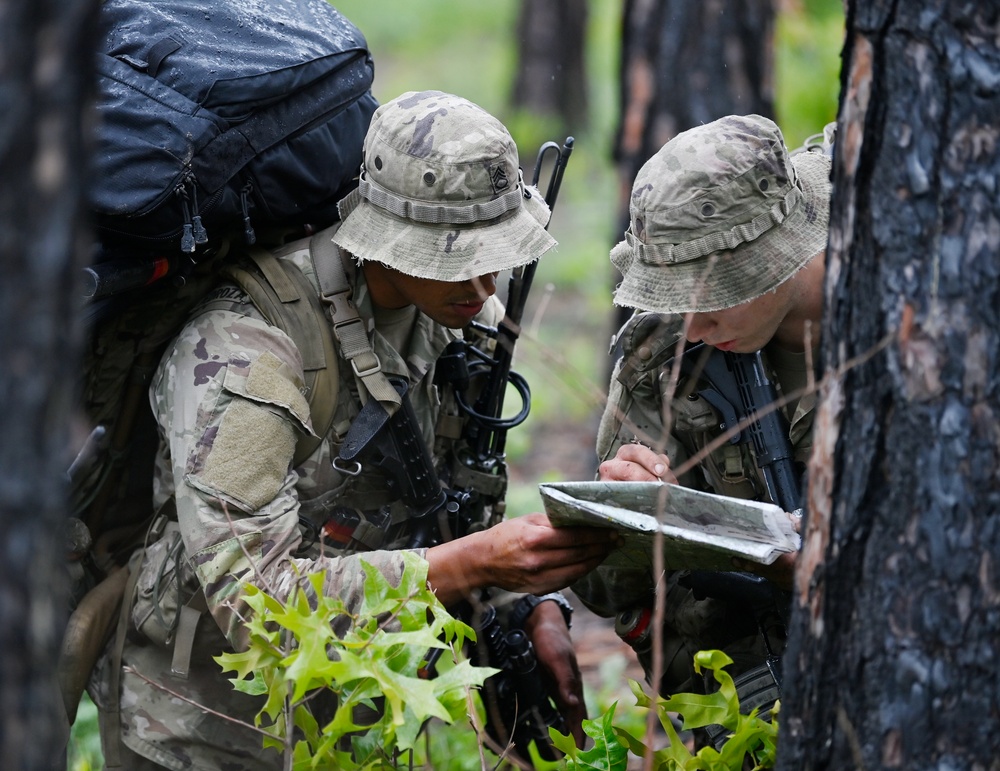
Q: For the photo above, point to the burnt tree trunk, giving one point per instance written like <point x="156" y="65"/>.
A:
<point x="45" y="66"/>
<point x="893" y="657"/>
<point x="551" y="75"/>
<point x="686" y="63"/>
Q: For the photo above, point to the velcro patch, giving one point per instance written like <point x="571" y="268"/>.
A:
<point x="251" y="455"/>
<point x="269" y="380"/>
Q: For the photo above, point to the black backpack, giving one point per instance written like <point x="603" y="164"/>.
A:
<point x="216" y="121"/>
<point x="215" y="117"/>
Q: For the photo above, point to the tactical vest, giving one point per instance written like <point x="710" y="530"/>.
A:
<point x="648" y="342"/>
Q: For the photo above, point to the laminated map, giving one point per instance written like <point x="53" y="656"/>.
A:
<point x="697" y="530"/>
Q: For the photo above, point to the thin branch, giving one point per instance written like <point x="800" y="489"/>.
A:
<point x="202" y="707"/>
<point x="809" y="388"/>
<point x="253" y="563"/>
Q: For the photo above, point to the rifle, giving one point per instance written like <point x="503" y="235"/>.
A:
<point x="467" y="369"/>
<point x="738" y="386"/>
<point x="518" y="709"/>
<point x="395" y="446"/>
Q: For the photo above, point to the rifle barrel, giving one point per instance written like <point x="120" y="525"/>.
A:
<point x="490" y="442"/>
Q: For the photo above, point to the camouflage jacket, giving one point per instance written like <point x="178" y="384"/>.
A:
<point x="228" y="398"/>
<point x="634" y="413"/>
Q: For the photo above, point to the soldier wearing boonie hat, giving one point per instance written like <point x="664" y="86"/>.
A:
<point x="725" y="245"/>
<point x="720" y="215"/>
<point x="249" y="462"/>
<point x="441" y="194"/>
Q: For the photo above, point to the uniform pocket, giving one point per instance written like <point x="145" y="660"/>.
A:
<point x="166" y="581"/>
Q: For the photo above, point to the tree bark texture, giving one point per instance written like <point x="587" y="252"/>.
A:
<point x="45" y="66"/>
<point x="551" y="74"/>
<point x="893" y="659"/>
<point x="683" y="64"/>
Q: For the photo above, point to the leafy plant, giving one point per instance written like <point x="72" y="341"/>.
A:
<point x="373" y="663"/>
<point x="750" y="735"/>
<point x="83" y="752"/>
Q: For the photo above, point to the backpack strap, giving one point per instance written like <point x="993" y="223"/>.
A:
<point x="288" y="301"/>
<point x="110" y="719"/>
<point x="328" y="262"/>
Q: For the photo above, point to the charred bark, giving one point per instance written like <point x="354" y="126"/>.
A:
<point x="45" y="66"/>
<point x="892" y="661"/>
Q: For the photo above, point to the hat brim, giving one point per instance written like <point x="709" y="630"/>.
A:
<point x="725" y="279"/>
<point x="448" y="252"/>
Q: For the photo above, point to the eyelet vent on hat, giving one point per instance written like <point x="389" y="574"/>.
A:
<point x="378" y="163"/>
<point x="763" y="185"/>
<point x="429" y="178"/>
<point x="707" y="210"/>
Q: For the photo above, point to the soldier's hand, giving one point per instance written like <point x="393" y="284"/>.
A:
<point x="528" y="554"/>
<point x="525" y="554"/>
<point x="636" y="463"/>
<point x="547" y="630"/>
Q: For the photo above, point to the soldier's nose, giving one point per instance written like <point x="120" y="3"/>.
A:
<point x="486" y="285"/>
<point x="698" y="326"/>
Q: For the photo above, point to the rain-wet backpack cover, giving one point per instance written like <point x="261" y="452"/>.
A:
<point x="225" y="116"/>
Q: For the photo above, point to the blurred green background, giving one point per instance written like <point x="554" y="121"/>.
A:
<point x="468" y="48"/>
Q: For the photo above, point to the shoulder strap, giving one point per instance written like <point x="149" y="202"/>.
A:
<point x="328" y="262"/>
<point x="285" y="297"/>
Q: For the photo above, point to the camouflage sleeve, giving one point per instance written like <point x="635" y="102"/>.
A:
<point x="633" y="413"/>
<point x="228" y="399"/>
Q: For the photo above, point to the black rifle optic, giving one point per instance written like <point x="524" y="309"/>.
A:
<point x="518" y="709"/>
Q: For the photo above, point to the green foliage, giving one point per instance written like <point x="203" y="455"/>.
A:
<point x="373" y="664"/>
<point x="808" y="41"/>
<point x="750" y="736"/>
<point x="84" y="750"/>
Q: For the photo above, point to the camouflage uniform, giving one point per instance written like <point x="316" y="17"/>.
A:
<point x="720" y="216"/>
<point x="228" y="398"/>
<point x="635" y="413"/>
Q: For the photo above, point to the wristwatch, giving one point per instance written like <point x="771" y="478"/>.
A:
<point x="524" y="607"/>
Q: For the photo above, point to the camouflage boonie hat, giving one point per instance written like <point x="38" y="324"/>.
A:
<point x="721" y="215"/>
<point x="441" y="194"/>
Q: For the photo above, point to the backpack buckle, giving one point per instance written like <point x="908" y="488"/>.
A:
<point x="363" y="373"/>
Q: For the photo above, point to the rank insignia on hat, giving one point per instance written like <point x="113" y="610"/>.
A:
<point x="498" y="176"/>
